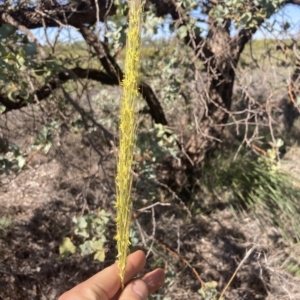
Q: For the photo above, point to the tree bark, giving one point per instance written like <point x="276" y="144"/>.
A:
<point x="72" y="14"/>
<point x="220" y="63"/>
<point x="55" y="82"/>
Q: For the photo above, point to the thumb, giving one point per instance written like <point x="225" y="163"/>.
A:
<point x="135" y="290"/>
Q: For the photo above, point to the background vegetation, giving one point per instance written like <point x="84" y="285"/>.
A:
<point x="216" y="170"/>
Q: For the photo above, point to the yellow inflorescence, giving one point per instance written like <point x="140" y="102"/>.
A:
<point x="127" y="134"/>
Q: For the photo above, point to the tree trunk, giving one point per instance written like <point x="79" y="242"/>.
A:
<point x="218" y="96"/>
<point x="220" y="58"/>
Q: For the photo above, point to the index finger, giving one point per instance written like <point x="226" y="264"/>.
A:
<point x="105" y="284"/>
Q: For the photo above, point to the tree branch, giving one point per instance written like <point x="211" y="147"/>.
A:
<point x="296" y="2"/>
<point x="6" y="18"/>
<point x="241" y="39"/>
<point x="56" y="82"/>
<point x="92" y="74"/>
<point x="246" y="34"/>
<point x="112" y="68"/>
<point x="196" y="42"/>
<point x="108" y="62"/>
<point x="75" y="13"/>
<point x="85" y="117"/>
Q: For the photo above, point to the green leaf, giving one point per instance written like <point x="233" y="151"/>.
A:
<point x="66" y="248"/>
<point x="82" y="223"/>
<point x="81" y="226"/>
<point x="98" y="244"/>
<point x="182" y="32"/>
<point x="81" y="232"/>
<point x="100" y="255"/>
<point x="211" y="284"/>
<point x="2" y="50"/>
<point x="21" y="161"/>
<point x="12" y="96"/>
<point x="39" y="71"/>
<point x="22" y="62"/>
<point x="30" y="49"/>
<point x="198" y="31"/>
<point x="5" y="222"/>
<point x="245" y="18"/>
<point x="11" y="56"/>
<point x="286" y="26"/>
<point x="6" y="30"/>
<point x="2" y="108"/>
<point x="105" y="217"/>
<point x="47" y="147"/>
<point x="279" y="143"/>
<point x="87" y="248"/>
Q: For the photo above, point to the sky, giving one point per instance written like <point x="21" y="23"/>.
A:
<point x="290" y="13"/>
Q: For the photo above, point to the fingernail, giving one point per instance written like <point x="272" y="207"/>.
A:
<point x="140" y="288"/>
<point x="154" y="278"/>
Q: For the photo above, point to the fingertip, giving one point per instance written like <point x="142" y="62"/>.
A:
<point x="135" y="290"/>
<point x="138" y="255"/>
<point x="154" y="280"/>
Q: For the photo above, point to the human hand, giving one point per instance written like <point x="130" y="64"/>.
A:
<point x="106" y="285"/>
